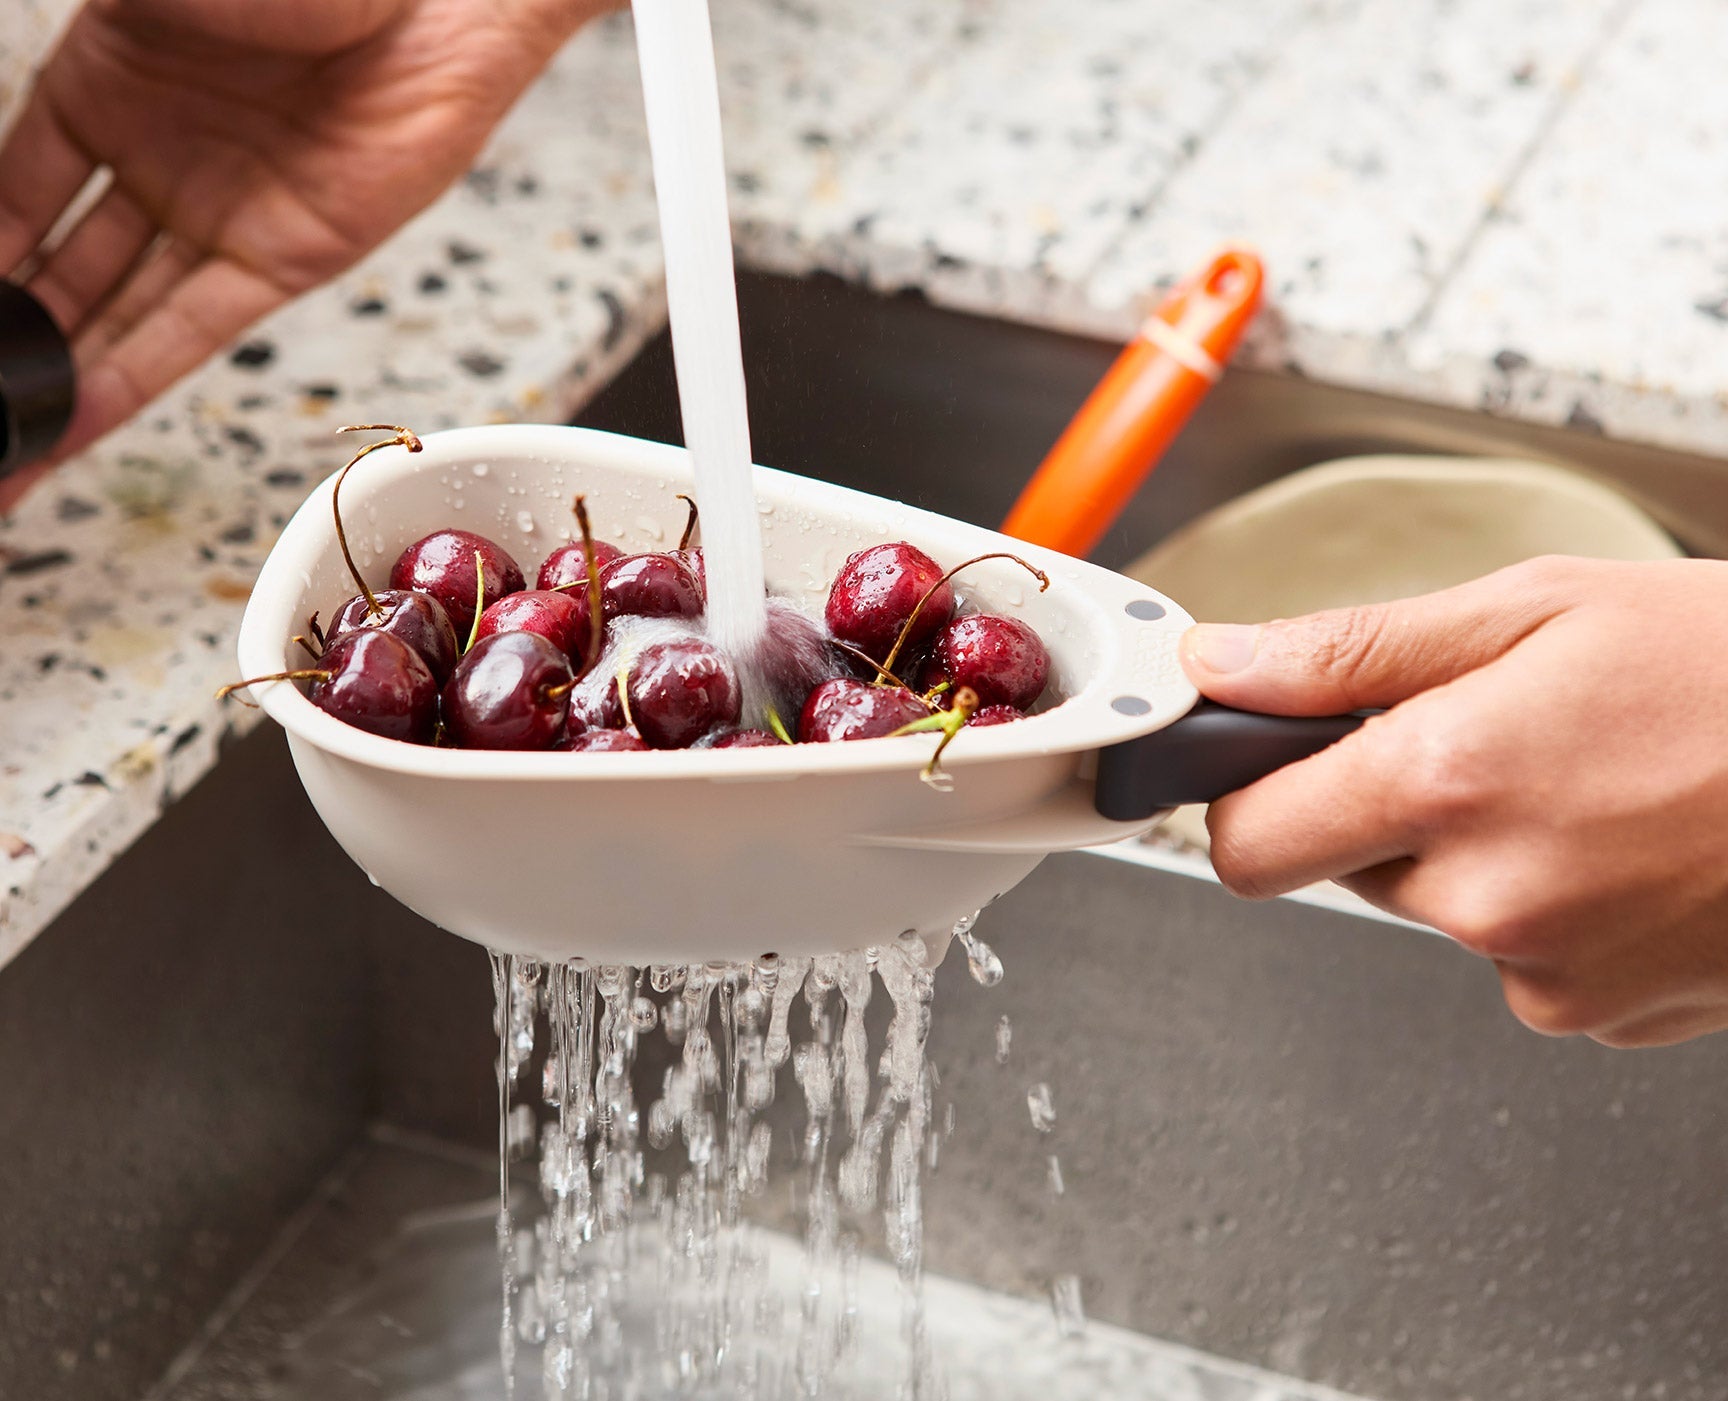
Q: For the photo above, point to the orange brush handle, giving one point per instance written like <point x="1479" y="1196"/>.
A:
<point x="1138" y="408"/>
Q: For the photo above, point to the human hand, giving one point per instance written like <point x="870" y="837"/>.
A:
<point x="258" y="147"/>
<point x="1549" y="784"/>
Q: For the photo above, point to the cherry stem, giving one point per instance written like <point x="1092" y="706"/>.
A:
<point x="882" y="672"/>
<point x="689" y="525"/>
<point x="306" y="674"/>
<point x="623" y="684"/>
<point x="306" y="647"/>
<point x="906" y="628"/>
<point x="479" y="602"/>
<point x="317" y="632"/>
<point x="950" y="723"/>
<point x="596" y="623"/>
<point x="777" y="725"/>
<point x="399" y="437"/>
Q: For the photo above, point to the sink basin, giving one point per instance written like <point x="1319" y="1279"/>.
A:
<point x="1288" y="1135"/>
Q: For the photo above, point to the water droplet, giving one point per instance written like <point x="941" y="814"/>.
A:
<point x="525" y="522"/>
<point x="643" y="1014"/>
<point x="480" y="469"/>
<point x="1004" y="1039"/>
<point x="1070" y="1311"/>
<point x="1054" y="1176"/>
<point x="1038" y="1104"/>
<point x="981" y="961"/>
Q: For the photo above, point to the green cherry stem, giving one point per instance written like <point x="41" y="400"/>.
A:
<point x="479" y="602"/>
<point x="949" y="723"/>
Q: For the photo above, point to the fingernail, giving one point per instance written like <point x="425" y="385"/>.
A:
<point x="1223" y="647"/>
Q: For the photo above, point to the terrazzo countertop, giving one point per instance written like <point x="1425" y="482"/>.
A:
<point x="1515" y="205"/>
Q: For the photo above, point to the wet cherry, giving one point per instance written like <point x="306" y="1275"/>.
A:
<point x="681" y="689"/>
<point x="411" y="616"/>
<point x="747" y="739"/>
<point x="442" y="564"/>
<point x="843" y="709"/>
<point x="1002" y="659"/>
<point x="560" y="616"/>
<point x="650" y="586"/>
<point x="877" y="590"/>
<point x="376" y="682"/>
<point x="512" y="691"/>
<point x="567" y="566"/>
<point x="603" y="742"/>
<point x="996" y="715"/>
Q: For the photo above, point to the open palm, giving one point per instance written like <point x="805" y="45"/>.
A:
<point x="256" y="147"/>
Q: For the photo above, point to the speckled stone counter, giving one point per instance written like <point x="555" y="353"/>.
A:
<point x="1508" y="204"/>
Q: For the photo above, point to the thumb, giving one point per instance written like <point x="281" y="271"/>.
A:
<point x="1372" y="656"/>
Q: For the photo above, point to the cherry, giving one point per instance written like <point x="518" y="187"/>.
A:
<point x="408" y="614"/>
<point x="996" y="715"/>
<point x="371" y="680"/>
<point x="512" y="691"/>
<point x="681" y="689"/>
<point x="747" y="739"/>
<point x="442" y="564"/>
<point x="650" y="586"/>
<point x="558" y="616"/>
<point x="876" y="592"/>
<point x="598" y="709"/>
<point x="843" y="708"/>
<point x="692" y="560"/>
<point x="603" y="742"/>
<point x="1002" y="659"/>
<point x="567" y="566"/>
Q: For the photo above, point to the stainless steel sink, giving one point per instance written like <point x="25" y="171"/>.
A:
<point x="1288" y="1135"/>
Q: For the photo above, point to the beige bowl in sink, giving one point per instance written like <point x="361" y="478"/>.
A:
<point x="1369" y="529"/>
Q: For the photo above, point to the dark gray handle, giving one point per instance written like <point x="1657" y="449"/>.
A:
<point x="37" y="381"/>
<point x="1210" y="751"/>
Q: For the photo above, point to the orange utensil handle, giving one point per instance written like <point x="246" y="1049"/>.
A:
<point x="1139" y="407"/>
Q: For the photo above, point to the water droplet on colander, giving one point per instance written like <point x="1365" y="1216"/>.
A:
<point x="663" y="977"/>
<point x="525" y="522"/>
<point x="643" y="1014"/>
<point x="480" y="469"/>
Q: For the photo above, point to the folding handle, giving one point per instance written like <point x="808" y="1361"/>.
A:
<point x="1210" y="751"/>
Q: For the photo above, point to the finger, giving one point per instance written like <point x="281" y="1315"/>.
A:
<point x="212" y="304"/>
<point x="163" y="267"/>
<point x="94" y="259"/>
<point x="41" y="169"/>
<point x="1342" y="810"/>
<point x="1373" y="656"/>
<point x="14" y="486"/>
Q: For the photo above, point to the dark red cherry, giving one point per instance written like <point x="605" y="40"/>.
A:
<point x="746" y="739"/>
<point x="691" y="558"/>
<point x="1002" y="659"/>
<point x="443" y="565"/>
<point x="566" y="567"/>
<point x="512" y="691"/>
<point x="681" y="689"/>
<point x="558" y="616"/>
<point x="598" y="709"/>
<point x="409" y="615"/>
<point x="846" y="709"/>
<point x="996" y="715"/>
<point x="877" y="590"/>
<point x="603" y="742"/>
<point x="377" y="683"/>
<point x="650" y="586"/>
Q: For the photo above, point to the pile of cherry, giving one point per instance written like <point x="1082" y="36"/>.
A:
<point x="459" y="651"/>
